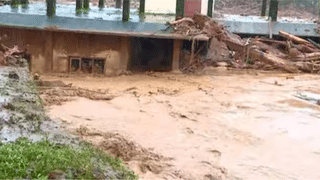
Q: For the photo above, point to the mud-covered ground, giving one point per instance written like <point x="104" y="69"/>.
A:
<point x="225" y="124"/>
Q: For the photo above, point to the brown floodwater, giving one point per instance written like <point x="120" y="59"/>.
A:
<point x="222" y="124"/>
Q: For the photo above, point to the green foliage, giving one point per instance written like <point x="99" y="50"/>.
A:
<point x="250" y="61"/>
<point x="25" y="160"/>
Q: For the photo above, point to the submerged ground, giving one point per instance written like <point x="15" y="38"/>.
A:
<point x="222" y="124"/>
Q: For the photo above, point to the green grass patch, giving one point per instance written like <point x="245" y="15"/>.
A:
<point x="24" y="160"/>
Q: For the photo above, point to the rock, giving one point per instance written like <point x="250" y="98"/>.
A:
<point x="57" y="174"/>
<point x="13" y="75"/>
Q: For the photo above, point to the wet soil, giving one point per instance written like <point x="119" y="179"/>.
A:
<point x="224" y="124"/>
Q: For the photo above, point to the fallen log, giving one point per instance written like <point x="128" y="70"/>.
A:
<point x="308" y="67"/>
<point x="295" y="39"/>
<point x="282" y="45"/>
<point x="273" y="60"/>
<point x="307" y="57"/>
<point x="266" y="48"/>
<point x="305" y="48"/>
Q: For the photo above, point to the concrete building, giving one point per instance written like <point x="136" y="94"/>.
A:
<point x="94" y="42"/>
<point x="98" y="41"/>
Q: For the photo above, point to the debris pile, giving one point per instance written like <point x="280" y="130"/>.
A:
<point x="293" y="54"/>
<point x="12" y="56"/>
<point x="197" y="25"/>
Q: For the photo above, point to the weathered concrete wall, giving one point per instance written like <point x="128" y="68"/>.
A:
<point x="50" y="51"/>
<point x="66" y="44"/>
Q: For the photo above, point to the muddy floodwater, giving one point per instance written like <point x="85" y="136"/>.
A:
<point x="225" y="124"/>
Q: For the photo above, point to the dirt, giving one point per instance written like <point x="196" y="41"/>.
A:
<point x="57" y="92"/>
<point x="224" y="124"/>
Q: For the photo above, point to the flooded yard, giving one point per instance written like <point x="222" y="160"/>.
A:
<point x="225" y="124"/>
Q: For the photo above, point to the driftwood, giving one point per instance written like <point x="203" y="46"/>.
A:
<point x="266" y="48"/>
<point x="272" y="60"/>
<point x="295" y="39"/>
<point x="189" y="20"/>
<point x="292" y="55"/>
<point x="308" y="67"/>
<point x="305" y="49"/>
<point x="307" y="57"/>
<point x="3" y="48"/>
<point x="283" y="45"/>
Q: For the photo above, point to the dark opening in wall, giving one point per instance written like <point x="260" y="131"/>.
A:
<point x="86" y="65"/>
<point x="200" y="50"/>
<point x="149" y="54"/>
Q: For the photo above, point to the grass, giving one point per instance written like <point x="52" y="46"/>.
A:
<point x="25" y="160"/>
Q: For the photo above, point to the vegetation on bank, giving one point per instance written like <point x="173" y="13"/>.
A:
<point x="42" y="160"/>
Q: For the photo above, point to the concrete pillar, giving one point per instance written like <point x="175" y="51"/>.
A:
<point x="319" y="8"/>
<point x="51" y="8"/>
<point x="86" y="4"/>
<point x="177" y="45"/>
<point x="124" y="53"/>
<point x="142" y="7"/>
<point x="210" y="8"/>
<point x="126" y="10"/>
<point x="273" y="11"/>
<point x="24" y="3"/>
<point x="101" y="3"/>
<point x="78" y="5"/>
<point x="118" y="3"/>
<point x="48" y="51"/>
<point x="264" y="8"/>
<point x="180" y="9"/>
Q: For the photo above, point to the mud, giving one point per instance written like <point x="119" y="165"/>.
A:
<point x="226" y="124"/>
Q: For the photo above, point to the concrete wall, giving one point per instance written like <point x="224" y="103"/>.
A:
<point x="50" y="51"/>
<point x="68" y="44"/>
